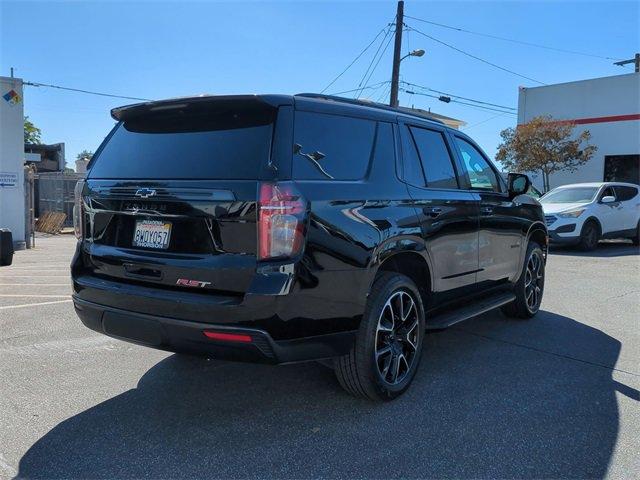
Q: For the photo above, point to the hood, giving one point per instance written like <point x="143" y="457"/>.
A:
<point x="549" y="208"/>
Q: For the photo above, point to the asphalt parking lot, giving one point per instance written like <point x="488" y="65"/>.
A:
<point x="554" y="397"/>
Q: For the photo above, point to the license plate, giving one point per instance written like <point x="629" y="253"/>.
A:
<point x="152" y="234"/>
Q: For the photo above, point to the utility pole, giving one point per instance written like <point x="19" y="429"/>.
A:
<point x="635" y="60"/>
<point x="395" y="73"/>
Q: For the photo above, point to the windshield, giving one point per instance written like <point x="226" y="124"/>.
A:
<point x="230" y="144"/>
<point x="570" y="195"/>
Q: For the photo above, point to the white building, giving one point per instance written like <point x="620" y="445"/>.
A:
<point x="609" y="108"/>
<point x="12" y="200"/>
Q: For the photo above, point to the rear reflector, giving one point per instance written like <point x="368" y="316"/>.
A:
<point x="227" y="337"/>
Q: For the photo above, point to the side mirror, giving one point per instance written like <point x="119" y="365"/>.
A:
<point x="518" y="184"/>
<point x="608" y="199"/>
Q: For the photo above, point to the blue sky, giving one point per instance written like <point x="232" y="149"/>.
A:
<point x="166" y="49"/>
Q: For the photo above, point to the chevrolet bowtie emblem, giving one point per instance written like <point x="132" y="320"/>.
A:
<point x="145" y="192"/>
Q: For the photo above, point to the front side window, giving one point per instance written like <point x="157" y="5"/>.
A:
<point x="436" y="160"/>
<point x="332" y="147"/>
<point x="608" y="192"/>
<point x="481" y="175"/>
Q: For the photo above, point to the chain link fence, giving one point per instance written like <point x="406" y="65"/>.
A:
<point x="54" y="192"/>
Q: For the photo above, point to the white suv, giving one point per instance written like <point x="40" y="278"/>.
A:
<point x="583" y="213"/>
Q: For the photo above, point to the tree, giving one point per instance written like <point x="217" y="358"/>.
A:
<point x="544" y="145"/>
<point x="31" y="132"/>
<point x="85" y="155"/>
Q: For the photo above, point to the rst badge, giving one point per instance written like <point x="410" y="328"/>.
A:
<point x="186" y="282"/>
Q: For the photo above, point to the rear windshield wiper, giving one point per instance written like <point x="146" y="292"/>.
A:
<point x="313" y="157"/>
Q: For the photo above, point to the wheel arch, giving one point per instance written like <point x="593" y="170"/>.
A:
<point x="409" y="258"/>
<point x="594" y="219"/>
<point x="537" y="232"/>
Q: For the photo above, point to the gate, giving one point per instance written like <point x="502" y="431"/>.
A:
<point x="55" y="193"/>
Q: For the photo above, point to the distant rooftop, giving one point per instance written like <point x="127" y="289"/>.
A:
<point x="448" y="121"/>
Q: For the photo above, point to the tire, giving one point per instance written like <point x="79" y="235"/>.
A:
<point x="589" y="236"/>
<point x="387" y="351"/>
<point x="636" y="239"/>
<point x="530" y="286"/>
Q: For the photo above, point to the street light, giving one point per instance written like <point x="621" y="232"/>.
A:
<point x="414" y="53"/>
<point x="395" y="73"/>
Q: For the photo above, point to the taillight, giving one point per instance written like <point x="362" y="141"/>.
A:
<point x="227" y="337"/>
<point x="78" y="209"/>
<point x="280" y="221"/>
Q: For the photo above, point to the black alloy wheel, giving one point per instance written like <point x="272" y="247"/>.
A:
<point x="534" y="281"/>
<point x="397" y="337"/>
<point x="386" y="353"/>
<point x="589" y="236"/>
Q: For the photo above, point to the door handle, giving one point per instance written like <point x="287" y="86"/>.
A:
<point x="433" y="212"/>
<point x="486" y="210"/>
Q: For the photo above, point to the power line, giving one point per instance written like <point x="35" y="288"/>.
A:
<point x="477" y="58"/>
<point x="410" y="92"/>
<point x="458" y="96"/>
<point x="379" y="58"/>
<point x="381" y="87"/>
<point x="354" y="60"/>
<point x="483" y="121"/>
<point x="38" y="84"/>
<point x="375" y="55"/>
<point x="386" y="91"/>
<point x="369" y="87"/>
<point x="496" y="37"/>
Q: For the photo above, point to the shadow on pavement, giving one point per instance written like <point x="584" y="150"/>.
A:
<point x="479" y="407"/>
<point x="607" y="248"/>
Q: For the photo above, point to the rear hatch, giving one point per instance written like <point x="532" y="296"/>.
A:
<point x="171" y="196"/>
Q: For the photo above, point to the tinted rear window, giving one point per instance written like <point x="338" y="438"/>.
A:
<point x="332" y="147"/>
<point x="625" y="193"/>
<point x="228" y="144"/>
<point x="436" y="161"/>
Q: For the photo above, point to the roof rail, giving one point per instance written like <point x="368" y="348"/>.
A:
<point x="370" y="104"/>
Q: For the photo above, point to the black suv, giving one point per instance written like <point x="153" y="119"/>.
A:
<point x="272" y="228"/>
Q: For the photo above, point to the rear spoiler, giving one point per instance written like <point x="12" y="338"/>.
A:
<point x="214" y="101"/>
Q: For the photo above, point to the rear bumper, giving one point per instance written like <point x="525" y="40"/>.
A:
<point x="185" y="336"/>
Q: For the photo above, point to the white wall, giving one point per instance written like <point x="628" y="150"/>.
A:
<point x="12" y="211"/>
<point x="598" y="97"/>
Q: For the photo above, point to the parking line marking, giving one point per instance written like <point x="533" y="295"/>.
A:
<point x="71" y="345"/>
<point x="8" y="307"/>
<point x="33" y="296"/>
<point x="37" y="267"/>
<point x="37" y="284"/>
<point x="34" y="275"/>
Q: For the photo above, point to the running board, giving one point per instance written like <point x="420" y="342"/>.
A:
<point x="464" y="313"/>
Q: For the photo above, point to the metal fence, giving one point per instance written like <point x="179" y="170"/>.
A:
<point x="54" y="193"/>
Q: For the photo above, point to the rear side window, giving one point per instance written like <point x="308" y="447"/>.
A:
<point x="228" y="144"/>
<point x="332" y="147"/>
<point x="411" y="168"/>
<point x="625" y="193"/>
<point x="436" y="160"/>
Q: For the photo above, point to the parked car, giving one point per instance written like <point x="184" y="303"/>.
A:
<point x="278" y="229"/>
<point x="583" y="213"/>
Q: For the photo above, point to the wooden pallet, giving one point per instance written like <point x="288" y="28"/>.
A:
<point x="50" y="222"/>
